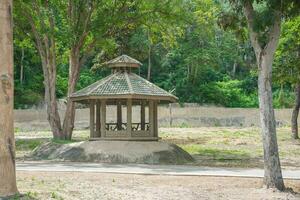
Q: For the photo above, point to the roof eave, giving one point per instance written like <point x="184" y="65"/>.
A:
<point x="170" y="99"/>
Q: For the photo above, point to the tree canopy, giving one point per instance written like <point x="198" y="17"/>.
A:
<point x="194" y="53"/>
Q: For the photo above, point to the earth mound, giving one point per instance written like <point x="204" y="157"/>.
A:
<point x="113" y="152"/>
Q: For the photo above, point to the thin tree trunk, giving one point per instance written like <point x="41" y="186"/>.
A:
<point x="233" y="69"/>
<point x="74" y="68"/>
<point x="22" y="68"/>
<point x="8" y="185"/>
<point x="48" y="57"/>
<point x="264" y="57"/>
<point x="295" y="113"/>
<point x="273" y="176"/>
<point x="51" y="104"/>
<point x="149" y="64"/>
<point x="149" y="58"/>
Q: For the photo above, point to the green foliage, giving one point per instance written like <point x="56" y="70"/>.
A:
<point x="287" y="58"/>
<point x="200" y="50"/>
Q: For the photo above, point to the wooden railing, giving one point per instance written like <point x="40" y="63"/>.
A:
<point x="134" y="126"/>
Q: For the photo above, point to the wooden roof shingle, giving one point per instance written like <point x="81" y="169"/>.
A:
<point x="120" y="84"/>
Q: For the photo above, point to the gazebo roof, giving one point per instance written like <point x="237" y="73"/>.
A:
<point x="123" y="85"/>
<point x="123" y="61"/>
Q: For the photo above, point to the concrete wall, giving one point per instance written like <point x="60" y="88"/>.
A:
<point x="190" y="115"/>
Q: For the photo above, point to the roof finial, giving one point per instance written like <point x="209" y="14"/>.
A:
<point x="124" y="61"/>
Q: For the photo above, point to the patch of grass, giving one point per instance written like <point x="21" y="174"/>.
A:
<point x="17" y="130"/>
<point x="28" y="144"/>
<point x="215" y="153"/>
<point x="28" y="196"/>
<point x="184" y="125"/>
<point x="55" y="196"/>
<point x="58" y="141"/>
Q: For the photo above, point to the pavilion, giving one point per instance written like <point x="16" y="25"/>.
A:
<point x="123" y="89"/>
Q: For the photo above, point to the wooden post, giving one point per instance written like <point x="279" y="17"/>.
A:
<point x="98" y="133"/>
<point x="119" y="115"/>
<point x="143" y="115"/>
<point x="151" y="118"/>
<point x="92" y="119"/>
<point x="103" y="117"/>
<point x="155" y="119"/>
<point x="129" y="117"/>
<point x="170" y="114"/>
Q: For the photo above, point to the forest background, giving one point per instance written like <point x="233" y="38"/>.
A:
<point x="198" y="50"/>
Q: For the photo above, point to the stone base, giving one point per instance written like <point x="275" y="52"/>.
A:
<point x="147" y="152"/>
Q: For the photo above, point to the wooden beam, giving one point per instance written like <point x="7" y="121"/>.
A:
<point x="143" y="115"/>
<point x="129" y="117"/>
<point x="98" y="105"/>
<point x="92" y="119"/>
<point x="103" y="118"/>
<point x="119" y="115"/>
<point x="155" y="119"/>
<point x="151" y="118"/>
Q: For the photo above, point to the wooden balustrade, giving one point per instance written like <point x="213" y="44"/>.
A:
<point x="134" y="126"/>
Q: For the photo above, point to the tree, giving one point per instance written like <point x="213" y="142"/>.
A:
<point x="287" y="65"/>
<point x="7" y="142"/>
<point x="39" y="22"/>
<point x="79" y="21"/>
<point x="264" y="22"/>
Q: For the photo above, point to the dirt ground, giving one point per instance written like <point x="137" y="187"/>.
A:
<point x="91" y="186"/>
<point x="210" y="146"/>
<point x="217" y="147"/>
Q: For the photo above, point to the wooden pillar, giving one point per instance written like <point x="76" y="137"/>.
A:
<point x="129" y="117"/>
<point x="98" y="133"/>
<point x="151" y="117"/>
<point x="119" y="115"/>
<point x="92" y="119"/>
<point x="103" y="118"/>
<point x="155" y="121"/>
<point x="143" y="115"/>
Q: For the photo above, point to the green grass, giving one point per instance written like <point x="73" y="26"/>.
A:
<point x="215" y="153"/>
<point x="28" y="144"/>
<point x="58" y="141"/>
<point x="27" y="196"/>
<point x="25" y="146"/>
<point x="232" y="147"/>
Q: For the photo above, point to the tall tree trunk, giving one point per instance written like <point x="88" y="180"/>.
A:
<point x="233" y="69"/>
<point x="48" y="58"/>
<point x="51" y="103"/>
<point x="264" y="57"/>
<point x="273" y="176"/>
<point x="74" y="69"/>
<point x="295" y="113"/>
<point x="8" y="185"/>
<point x="149" y="57"/>
<point x="45" y="44"/>
<point x="22" y="67"/>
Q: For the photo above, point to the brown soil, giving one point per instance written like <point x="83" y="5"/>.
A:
<point x="72" y="186"/>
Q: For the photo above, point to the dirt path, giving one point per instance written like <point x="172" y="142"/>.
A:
<point x="90" y="186"/>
